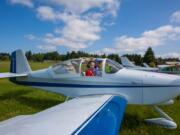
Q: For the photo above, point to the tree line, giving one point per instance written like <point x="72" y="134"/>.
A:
<point x="149" y="57"/>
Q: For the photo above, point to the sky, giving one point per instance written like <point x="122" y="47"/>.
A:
<point x="94" y="26"/>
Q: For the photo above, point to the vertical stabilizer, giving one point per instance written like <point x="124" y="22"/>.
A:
<point x="125" y="62"/>
<point x="146" y="65"/>
<point x="19" y="63"/>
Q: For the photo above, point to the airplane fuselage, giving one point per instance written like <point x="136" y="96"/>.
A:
<point x="137" y="87"/>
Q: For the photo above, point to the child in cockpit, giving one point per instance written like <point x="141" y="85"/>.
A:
<point x="91" y="71"/>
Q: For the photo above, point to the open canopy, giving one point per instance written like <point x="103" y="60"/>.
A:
<point x="79" y="66"/>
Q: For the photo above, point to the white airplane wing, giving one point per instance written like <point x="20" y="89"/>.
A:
<point x="90" y="115"/>
<point x="9" y="75"/>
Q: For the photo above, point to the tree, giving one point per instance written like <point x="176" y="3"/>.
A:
<point x="149" y="57"/>
<point x="114" y="57"/>
<point x="4" y="56"/>
<point x="52" y="56"/>
<point x="29" y="55"/>
<point x="39" y="57"/>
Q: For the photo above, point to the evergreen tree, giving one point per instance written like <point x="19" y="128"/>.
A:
<point x="149" y="57"/>
<point x="114" y="57"/>
<point x="29" y="55"/>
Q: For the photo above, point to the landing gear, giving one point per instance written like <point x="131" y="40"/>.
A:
<point x="165" y="120"/>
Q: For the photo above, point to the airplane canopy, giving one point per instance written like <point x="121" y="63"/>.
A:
<point x="76" y="66"/>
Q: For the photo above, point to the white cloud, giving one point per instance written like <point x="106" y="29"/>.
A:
<point x="80" y="6"/>
<point x="151" y="38"/>
<point x="52" y="42"/>
<point x="81" y="24"/>
<point x="27" y="3"/>
<point x="46" y="13"/>
<point x="80" y="29"/>
<point x="30" y="37"/>
<point x="175" y="18"/>
<point x="47" y="48"/>
<point x="170" y="55"/>
<point x="78" y="32"/>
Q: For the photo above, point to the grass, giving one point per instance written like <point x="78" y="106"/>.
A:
<point x="20" y="100"/>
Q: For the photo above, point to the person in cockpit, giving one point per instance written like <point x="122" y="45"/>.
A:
<point x="97" y="69"/>
<point x="91" y="71"/>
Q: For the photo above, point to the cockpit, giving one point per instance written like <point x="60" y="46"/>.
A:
<point x="87" y="67"/>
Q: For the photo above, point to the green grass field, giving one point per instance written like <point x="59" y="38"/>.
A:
<point x="20" y="100"/>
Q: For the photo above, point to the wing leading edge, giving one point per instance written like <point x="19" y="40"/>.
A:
<point x="9" y="75"/>
<point x="84" y="115"/>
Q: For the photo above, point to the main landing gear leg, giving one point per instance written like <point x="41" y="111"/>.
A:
<point x="165" y="120"/>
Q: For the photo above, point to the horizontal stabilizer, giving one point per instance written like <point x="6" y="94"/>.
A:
<point x="9" y="75"/>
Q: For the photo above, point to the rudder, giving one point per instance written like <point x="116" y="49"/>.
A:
<point x="19" y="63"/>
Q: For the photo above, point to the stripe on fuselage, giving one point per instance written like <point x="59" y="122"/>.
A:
<point x="46" y="84"/>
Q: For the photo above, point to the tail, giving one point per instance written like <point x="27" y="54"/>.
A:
<point x="146" y="65"/>
<point x="19" y="63"/>
<point x="125" y="62"/>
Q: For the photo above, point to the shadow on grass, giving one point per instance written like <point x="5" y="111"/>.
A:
<point x="131" y="121"/>
<point x="39" y="104"/>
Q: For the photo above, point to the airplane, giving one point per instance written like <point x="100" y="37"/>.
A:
<point x="128" y="64"/>
<point x="97" y="103"/>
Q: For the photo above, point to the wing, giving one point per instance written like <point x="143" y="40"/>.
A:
<point x="85" y="115"/>
<point x="9" y="75"/>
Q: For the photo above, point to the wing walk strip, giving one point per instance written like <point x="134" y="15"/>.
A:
<point x="9" y="75"/>
<point x="92" y="115"/>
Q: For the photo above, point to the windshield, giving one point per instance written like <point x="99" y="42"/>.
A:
<point x="112" y="67"/>
<point x="70" y="67"/>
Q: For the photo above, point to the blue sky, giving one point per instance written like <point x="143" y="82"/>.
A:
<point x="97" y="26"/>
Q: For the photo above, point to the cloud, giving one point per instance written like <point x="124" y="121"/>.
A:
<point x="148" y="38"/>
<point x="78" y="31"/>
<point x="175" y="17"/>
<point x="80" y="6"/>
<point x="81" y="26"/>
<point x="82" y="20"/>
<point x="30" y="37"/>
<point x="170" y="55"/>
<point x="47" y="48"/>
<point x="27" y="3"/>
<point x="46" y="13"/>
<point x="81" y="30"/>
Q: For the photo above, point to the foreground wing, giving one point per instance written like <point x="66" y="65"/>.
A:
<point x="86" y="115"/>
<point x="9" y="75"/>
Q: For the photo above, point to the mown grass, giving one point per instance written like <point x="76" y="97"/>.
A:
<point x="20" y="100"/>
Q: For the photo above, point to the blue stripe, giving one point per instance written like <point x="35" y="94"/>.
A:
<point x="13" y="63"/>
<point x="46" y="84"/>
<point x="107" y="121"/>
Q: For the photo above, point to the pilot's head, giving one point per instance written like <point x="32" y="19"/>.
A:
<point x="91" y="64"/>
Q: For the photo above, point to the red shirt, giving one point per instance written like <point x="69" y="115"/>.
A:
<point x="89" y="72"/>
